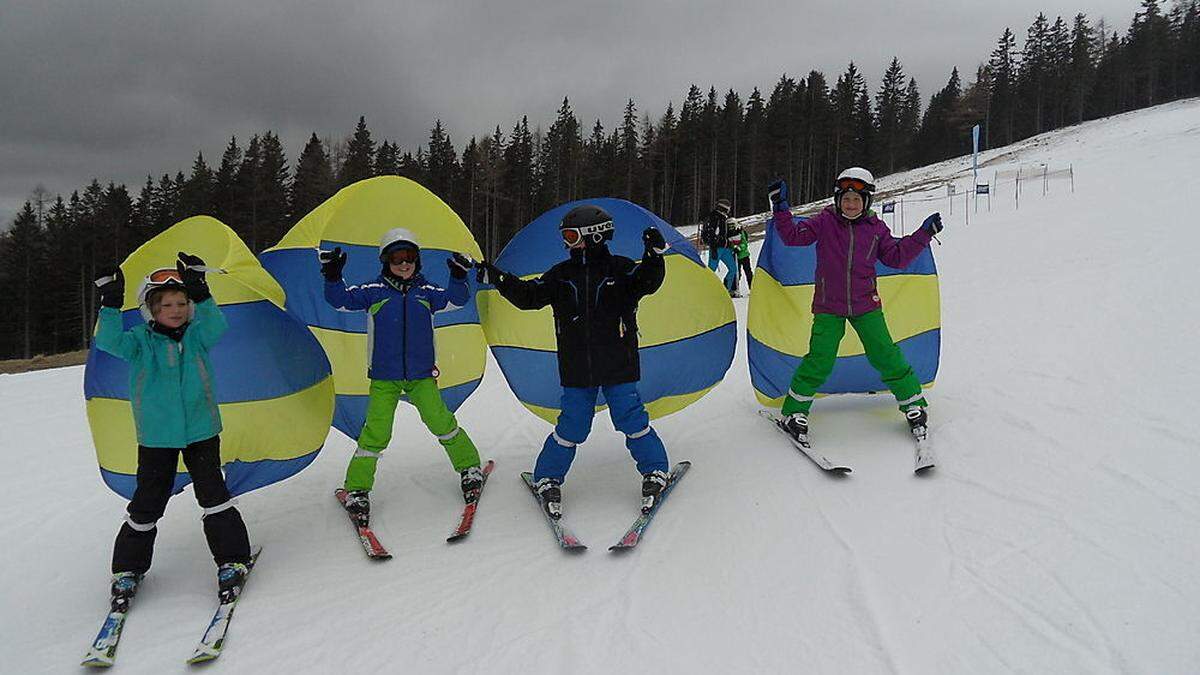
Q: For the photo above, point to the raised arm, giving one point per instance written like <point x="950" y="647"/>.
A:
<point x="648" y="274"/>
<point x="531" y="294"/>
<point x="899" y="253"/>
<point x="111" y="335"/>
<point x="792" y="233"/>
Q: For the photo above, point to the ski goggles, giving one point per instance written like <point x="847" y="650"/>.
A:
<point x="856" y="184"/>
<point x="403" y="255"/>
<point x="573" y="235"/>
<point x="165" y="276"/>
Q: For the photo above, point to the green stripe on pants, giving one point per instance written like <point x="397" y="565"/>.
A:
<point x="882" y="354"/>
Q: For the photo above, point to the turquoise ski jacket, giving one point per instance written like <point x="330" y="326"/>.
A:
<point x="170" y="383"/>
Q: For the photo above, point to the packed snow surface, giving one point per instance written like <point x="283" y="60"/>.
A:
<point x="1058" y="533"/>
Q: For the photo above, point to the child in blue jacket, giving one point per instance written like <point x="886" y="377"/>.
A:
<point x="175" y="412"/>
<point x="400" y="305"/>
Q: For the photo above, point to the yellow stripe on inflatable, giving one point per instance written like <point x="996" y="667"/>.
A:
<point x="461" y="356"/>
<point x="218" y="246"/>
<point x="792" y="337"/>
<point x="293" y="428"/>
<point x="659" y="408"/>
<point x="367" y="208"/>
<point x="659" y="318"/>
<point x="778" y="402"/>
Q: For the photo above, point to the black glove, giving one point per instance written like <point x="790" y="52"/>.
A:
<point x="332" y="263"/>
<point x="653" y="240"/>
<point x="111" y="284"/>
<point x="932" y="224"/>
<point x="459" y="264"/>
<point x="487" y="273"/>
<point x="777" y="194"/>
<point x="191" y="270"/>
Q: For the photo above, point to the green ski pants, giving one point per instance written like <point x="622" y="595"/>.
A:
<point x="377" y="431"/>
<point x="882" y="354"/>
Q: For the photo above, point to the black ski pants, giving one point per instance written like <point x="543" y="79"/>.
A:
<point x="223" y="526"/>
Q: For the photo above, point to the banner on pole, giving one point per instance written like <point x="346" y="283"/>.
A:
<point x="982" y="189"/>
<point x="889" y="207"/>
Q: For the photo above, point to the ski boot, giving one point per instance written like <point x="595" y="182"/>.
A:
<point x="918" y="420"/>
<point x="230" y="577"/>
<point x="124" y="587"/>
<point x="472" y="484"/>
<point x="549" y="492"/>
<point x="796" y="426"/>
<point x="653" y="484"/>
<point x="358" y="503"/>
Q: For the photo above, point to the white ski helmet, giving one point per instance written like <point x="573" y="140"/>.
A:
<point x="395" y="238"/>
<point x="857" y="179"/>
<point x="162" y="278"/>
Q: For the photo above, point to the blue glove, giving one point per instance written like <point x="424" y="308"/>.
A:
<point x="932" y="224"/>
<point x="777" y="194"/>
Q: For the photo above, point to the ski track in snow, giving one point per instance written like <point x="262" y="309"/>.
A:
<point x="1057" y="533"/>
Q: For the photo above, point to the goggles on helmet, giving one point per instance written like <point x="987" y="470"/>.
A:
<point x="403" y="255"/>
<point x="164" y="277"/>
<point x="573" y="235"/>
<point x="856" y="184"/>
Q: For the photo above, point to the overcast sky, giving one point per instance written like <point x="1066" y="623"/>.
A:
<point x="117" y="89"/>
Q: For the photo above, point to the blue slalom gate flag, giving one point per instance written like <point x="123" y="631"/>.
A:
<point x="889" y="207"/>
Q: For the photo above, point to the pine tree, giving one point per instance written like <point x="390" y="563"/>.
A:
<point x="247" y="195"/>
<point x="197" y="192"/>
<point x="442" y="164"/>
<point x="935" y="139"/>
<point x="627" y="153"/>
<point x="1081" y="67"/>
<point x="273" y="178"/>
<point x="225" y="189"/>
<point x="517" y="184"/>
<point x="842" y="99"/>
<point x="1003" y="99"/>
<point x="888" y="104"/>
<point x="314" y="179"/>
<point x="23" y="255"/>
<point x="1033" y="76"/>
<point x="360" y="156"/>
<point x="910" y="123"/>
<point x="387" y="159"/>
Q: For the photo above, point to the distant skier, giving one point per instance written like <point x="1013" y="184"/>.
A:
<point x="175" y="413"/>
<point x="849" y="240"/>
<point x="739" y="243"/>
<point x="714" y="233"/>
<point x="594" y="295"/>
<point x="400" y="305"/>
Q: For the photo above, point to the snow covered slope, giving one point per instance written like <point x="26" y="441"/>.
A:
<point x="1057" y="535"/>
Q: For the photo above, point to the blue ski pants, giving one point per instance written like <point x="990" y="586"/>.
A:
<point x="723" y="255"/>
<point x="629" y="417"/>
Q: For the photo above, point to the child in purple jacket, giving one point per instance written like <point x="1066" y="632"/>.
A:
<point x="850" y="239"/>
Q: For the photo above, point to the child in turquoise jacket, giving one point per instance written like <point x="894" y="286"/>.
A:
<point x="175" y="413"/>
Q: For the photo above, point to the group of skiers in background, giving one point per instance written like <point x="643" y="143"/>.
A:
<point x="594" y="296"/>
<point x="728" y="244"/>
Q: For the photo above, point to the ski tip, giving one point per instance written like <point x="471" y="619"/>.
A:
<point x="926" y="470"/>
<point x="96" y="662"/>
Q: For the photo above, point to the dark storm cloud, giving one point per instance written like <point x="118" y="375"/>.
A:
<point x="116" y="90"/>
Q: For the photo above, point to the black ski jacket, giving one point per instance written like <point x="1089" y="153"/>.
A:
<point x="594" y="296"/>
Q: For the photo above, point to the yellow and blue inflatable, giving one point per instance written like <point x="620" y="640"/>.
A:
<point x="354" y="219"/>
<point x="273" y="383"/>
<point x="687" y="329"/>
<point x="780" y="322"/>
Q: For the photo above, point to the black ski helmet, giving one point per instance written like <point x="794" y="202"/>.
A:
<point x="593" y="224"/>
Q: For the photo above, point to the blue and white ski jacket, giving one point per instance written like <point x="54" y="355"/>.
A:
<point x="399" y="321"/>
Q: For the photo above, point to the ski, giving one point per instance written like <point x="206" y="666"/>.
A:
<point x="468" y="513"/>
<point x="806" y="448"/>
<point x="210" y="645"/>
<point x="634" y="534"/>
<point x="104" y="648"/>
<point x="924" y="451"/>
<point x="366" y="536"/>
<point x="562" y="534"/>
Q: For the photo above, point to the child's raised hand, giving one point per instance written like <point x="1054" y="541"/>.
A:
<point x="933" y="224"/>
<point x="332" y="263"/>
<point x="777" y="194"/>
<point x="111" y="284"/>
<point x="191" y="270"/>
<point x="459" y="264"/>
